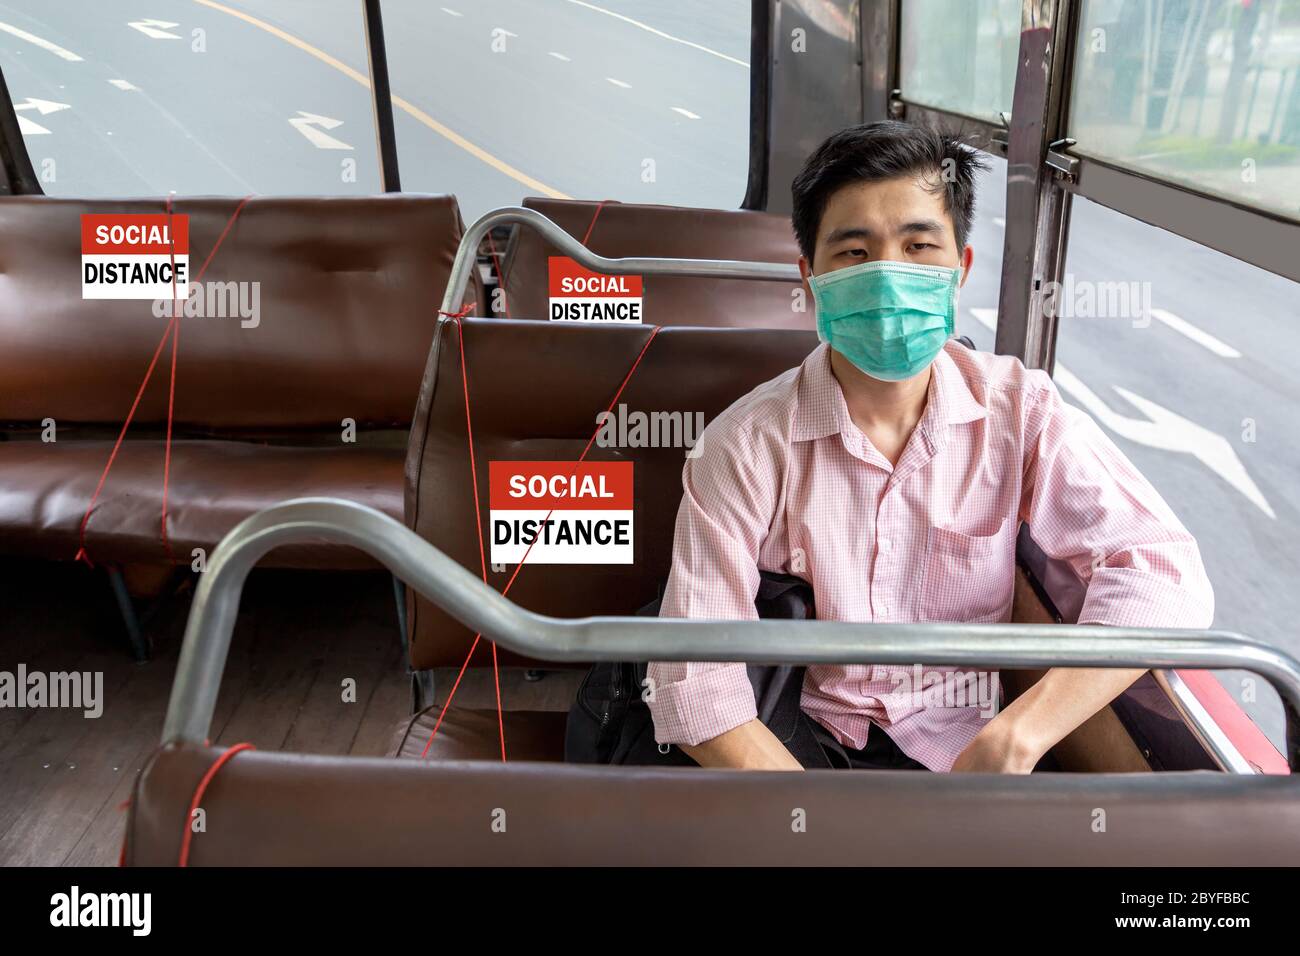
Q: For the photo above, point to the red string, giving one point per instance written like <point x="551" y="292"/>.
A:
<point x="175" y="326"/>
<point x="188" y="836"/>
<point x="519" y="567"/>
<point x="599" y="206"/>
<point x="461" y="314"/>
<point x="172" y="329"/>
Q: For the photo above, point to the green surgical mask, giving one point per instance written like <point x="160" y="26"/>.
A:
<point x="890" y="319"/>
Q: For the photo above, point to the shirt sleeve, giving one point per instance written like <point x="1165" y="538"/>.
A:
<point x="1088" y="505"/>
<point x="726" y="510"/>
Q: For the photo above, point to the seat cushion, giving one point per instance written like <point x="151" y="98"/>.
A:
<point x="468" y="734"/>
<point x="45" y="488"/>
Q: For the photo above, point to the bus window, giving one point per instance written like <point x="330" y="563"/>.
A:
<point x="960" y="55"/>
<point x="617" y="100"/>
<point x="1173" y="349"/>
<point x="1205" y="93"/>
<point x="212" y="98"/>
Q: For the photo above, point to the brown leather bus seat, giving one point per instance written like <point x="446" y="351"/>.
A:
<point x="535" y="390"/>
<point x="630" y="229"/>
<point x="347" y="296"/>
<point x="281" y="809"/>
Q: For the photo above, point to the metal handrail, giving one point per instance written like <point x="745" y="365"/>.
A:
<point x="478" y="606"/>
<point x="467" y="253"/>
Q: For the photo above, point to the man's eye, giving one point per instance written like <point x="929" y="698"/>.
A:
<point x="855" y="253"/>
<point x="918" y="246"/>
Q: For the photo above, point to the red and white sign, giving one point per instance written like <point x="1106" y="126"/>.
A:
<point x="580" y="295"/>
<point x="589" y="506"/>
<point x="130" y="256"/>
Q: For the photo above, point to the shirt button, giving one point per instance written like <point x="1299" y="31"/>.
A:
<point x="885" y="544"/>
<point x="883" y="608"/>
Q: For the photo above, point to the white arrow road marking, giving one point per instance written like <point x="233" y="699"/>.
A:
<point x="43" y="44"/>
<point x="1201" y="338"/>
<point x="124" y="84"/>
<point x="306" y="124"/>
<point x="1164" y="429"/>
<point x="45" y="107"/>
<point x="157" y="29"/>
<point x="28" y="128"/>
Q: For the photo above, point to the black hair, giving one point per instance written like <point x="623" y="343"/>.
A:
<point x="885" y="150"/>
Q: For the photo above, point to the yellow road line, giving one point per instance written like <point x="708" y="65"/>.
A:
<point x="404" y="105"/>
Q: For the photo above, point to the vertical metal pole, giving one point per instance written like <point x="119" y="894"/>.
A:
<point x="879" y="24"/>
<point x="1038" y="209"/>
<point x="382" y="97"/>
<point x="762" y="61"/>
<point x="19" y="178"/>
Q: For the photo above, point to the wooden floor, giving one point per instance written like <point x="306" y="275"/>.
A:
<point x="64" y="778"/>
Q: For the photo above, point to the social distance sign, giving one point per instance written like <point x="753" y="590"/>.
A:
<point x="579" y="295"/>
<point x="566" y="512"/>
<point x="130" y="256"/>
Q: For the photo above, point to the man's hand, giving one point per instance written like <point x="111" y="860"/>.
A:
<point x="997" y="749"/>
<point x="751" y="746"/>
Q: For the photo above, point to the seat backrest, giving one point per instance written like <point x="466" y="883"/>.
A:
<point x="622" y="230"/>
<point x="535" y="390"/>
<point x="346" y="291"/>
<point x="280" y="809"/>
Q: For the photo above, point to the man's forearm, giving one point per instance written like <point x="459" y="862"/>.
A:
<point x="751" y="746"/>
<point x="1016" y="739"/>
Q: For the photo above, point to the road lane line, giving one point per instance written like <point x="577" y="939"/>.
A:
<point x="660" y="33"/>
<point x="451" y="12"/>
<point x="43" y="44"/>
<point x="405" y="106"/>
<point x="626" y="86"/>
<point x="124" y="84"/>
<point x="560" y="56"/>
<point x="1201" y="338"/>
<point x="687" y="113"/>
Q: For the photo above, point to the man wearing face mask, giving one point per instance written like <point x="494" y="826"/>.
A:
<point x="892" y="470"/>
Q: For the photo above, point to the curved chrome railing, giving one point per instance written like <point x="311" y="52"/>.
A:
<point x="481" y="608"/>
<point x="466" y="255"/>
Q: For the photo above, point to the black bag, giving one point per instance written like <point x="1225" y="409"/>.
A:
<point x="610" y="723"/>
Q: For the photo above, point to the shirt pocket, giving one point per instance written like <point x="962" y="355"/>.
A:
<point x="969" y="578"/>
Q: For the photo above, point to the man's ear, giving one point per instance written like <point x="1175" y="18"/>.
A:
<point x="805" y="272"/>
<point x="967" y="259"/>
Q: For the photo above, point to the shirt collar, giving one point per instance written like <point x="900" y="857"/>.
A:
<point x="822" y="411"/>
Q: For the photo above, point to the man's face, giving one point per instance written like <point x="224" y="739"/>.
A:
<point x="894" y="219"/>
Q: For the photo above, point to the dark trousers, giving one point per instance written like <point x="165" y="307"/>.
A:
<point x="812" y="744"/>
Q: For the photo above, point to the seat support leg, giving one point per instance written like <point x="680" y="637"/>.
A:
<point x="139" y="646"/>
<point x="399" y="592"/>
<point x="422" y="690"/>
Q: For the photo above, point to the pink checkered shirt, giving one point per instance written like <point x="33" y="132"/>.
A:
<point x="787" y="482"/>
